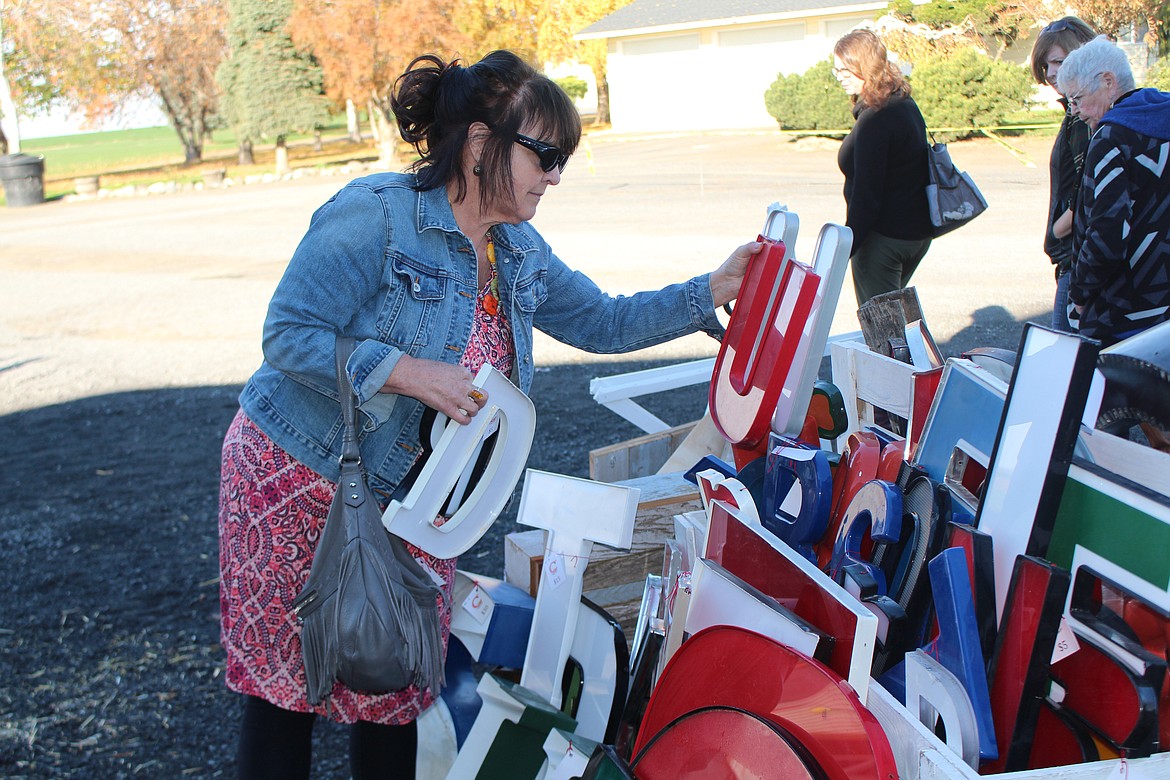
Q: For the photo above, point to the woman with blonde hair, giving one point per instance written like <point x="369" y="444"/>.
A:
<point x="884" y="162"/>
<point x="1067" y="163"/>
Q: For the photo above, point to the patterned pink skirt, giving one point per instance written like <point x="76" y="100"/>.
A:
<point x="272" y="510"/>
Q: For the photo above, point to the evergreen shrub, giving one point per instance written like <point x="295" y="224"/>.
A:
<point x="969" y="89"/>
<point x="812" y="100"/>
<point x="573" y="86"/>
<point x="1158" y="75"/>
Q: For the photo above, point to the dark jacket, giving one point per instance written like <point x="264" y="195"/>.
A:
<point x="1121" y="275"/>
<point x="884" y="162"/>
<point x="1066" y="167"/>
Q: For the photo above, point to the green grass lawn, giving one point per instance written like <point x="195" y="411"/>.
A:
<point x="119" y="151"/>
<point x="89" y="154"/>
<point x="150" y="154"/>
<point x="145" y="155"/>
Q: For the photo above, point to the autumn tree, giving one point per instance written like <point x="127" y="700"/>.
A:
<point x="91" y="57"/>
<point x="364" y="45"/>
<point x="1160" y="26"/>
<point x="270" y="89"/>
<point x="562" y="20"/>
<point x="170" y="48"/>
<point x="999" y="22"/>
<point x="500" y="24"/>
<point x="44" y="60"/>
<point x="1112" y="17"/>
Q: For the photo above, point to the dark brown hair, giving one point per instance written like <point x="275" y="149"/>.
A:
<point x="866" y="57"/>
<point x="1069" y="33"/>
<point x="436" y="102"/>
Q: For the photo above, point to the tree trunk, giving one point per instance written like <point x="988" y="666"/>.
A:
<point x="386" y="133"/>
<point x="351" y="122"/>
<point x="189" y="123"/>
<point x="9" y="121"/>
<point x="191" y="138"/>
<point x="317" y="143"/>
<point x="602" y="117"/>
<point x="372" y="112"/>
<point x="244" y="154"/>
<point x="281" y="156"/>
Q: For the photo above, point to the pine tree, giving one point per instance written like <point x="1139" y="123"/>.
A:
<point x="270" y="89"/>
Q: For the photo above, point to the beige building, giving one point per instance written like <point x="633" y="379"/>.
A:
<point x="705" y="64"/>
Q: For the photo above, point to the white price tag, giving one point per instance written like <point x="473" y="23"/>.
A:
<point x="572" y="765"/>
<point x="1066" y="642"/>
<point x="478" y="604"/>
<point x="554" y="569"/>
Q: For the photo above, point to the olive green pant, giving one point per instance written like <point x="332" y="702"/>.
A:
<point x="883" y="264"/>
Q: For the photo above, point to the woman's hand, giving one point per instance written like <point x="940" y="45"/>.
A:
<point x="726" y="280"/>
<point x="1063" y="225"/>
<point x="443" y="387"/>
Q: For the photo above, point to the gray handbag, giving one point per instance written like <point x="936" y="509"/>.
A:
<point x="952" y="196"/>
<point x="369" y="612"/>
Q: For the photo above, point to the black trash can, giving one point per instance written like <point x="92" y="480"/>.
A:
<point x="23" y="178"/>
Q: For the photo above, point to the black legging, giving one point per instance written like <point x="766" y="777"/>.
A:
<point x="277" y="744"/>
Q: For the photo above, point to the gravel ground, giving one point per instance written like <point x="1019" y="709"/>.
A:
<point x="128" y="327"/>
<point x="109" y="648"/>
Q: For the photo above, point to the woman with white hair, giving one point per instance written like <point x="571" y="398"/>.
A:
<point x="1121" y="274"/>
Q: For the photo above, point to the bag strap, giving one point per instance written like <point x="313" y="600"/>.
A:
<point x="350" y="451"/>
<point x="930" y="142"/>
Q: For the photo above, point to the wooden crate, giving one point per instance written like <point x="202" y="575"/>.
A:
<point x="639" y="457"/>
<point x="615" y="578"/>
<point x="523" y="559"/>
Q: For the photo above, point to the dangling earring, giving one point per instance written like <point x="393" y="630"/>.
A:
<point x="477" y="170"/>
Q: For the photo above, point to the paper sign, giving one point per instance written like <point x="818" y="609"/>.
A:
<point x="478" y="604"/>
<point x="1066" y="642"/>
<point x="555" y="573"/>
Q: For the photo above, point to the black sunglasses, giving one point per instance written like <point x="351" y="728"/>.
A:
<point x="550" y="156"/>
<point x="1058" y="26"/>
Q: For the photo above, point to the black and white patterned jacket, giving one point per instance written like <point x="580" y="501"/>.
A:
<point x="1121" y="274"/>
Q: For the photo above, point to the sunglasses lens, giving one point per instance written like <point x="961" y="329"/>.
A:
<point x="549" y="156"/>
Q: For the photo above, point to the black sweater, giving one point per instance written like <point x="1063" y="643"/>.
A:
<point x="884" y="162"/>
<point x="1065" y="169"/>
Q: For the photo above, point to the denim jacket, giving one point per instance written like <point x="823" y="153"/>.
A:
<point x="388" y="265"/>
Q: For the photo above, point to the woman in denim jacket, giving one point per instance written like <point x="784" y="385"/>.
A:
<point x="434" y="273"/>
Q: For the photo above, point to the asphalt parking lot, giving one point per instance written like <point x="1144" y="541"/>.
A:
<point x="170" y="290"/>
